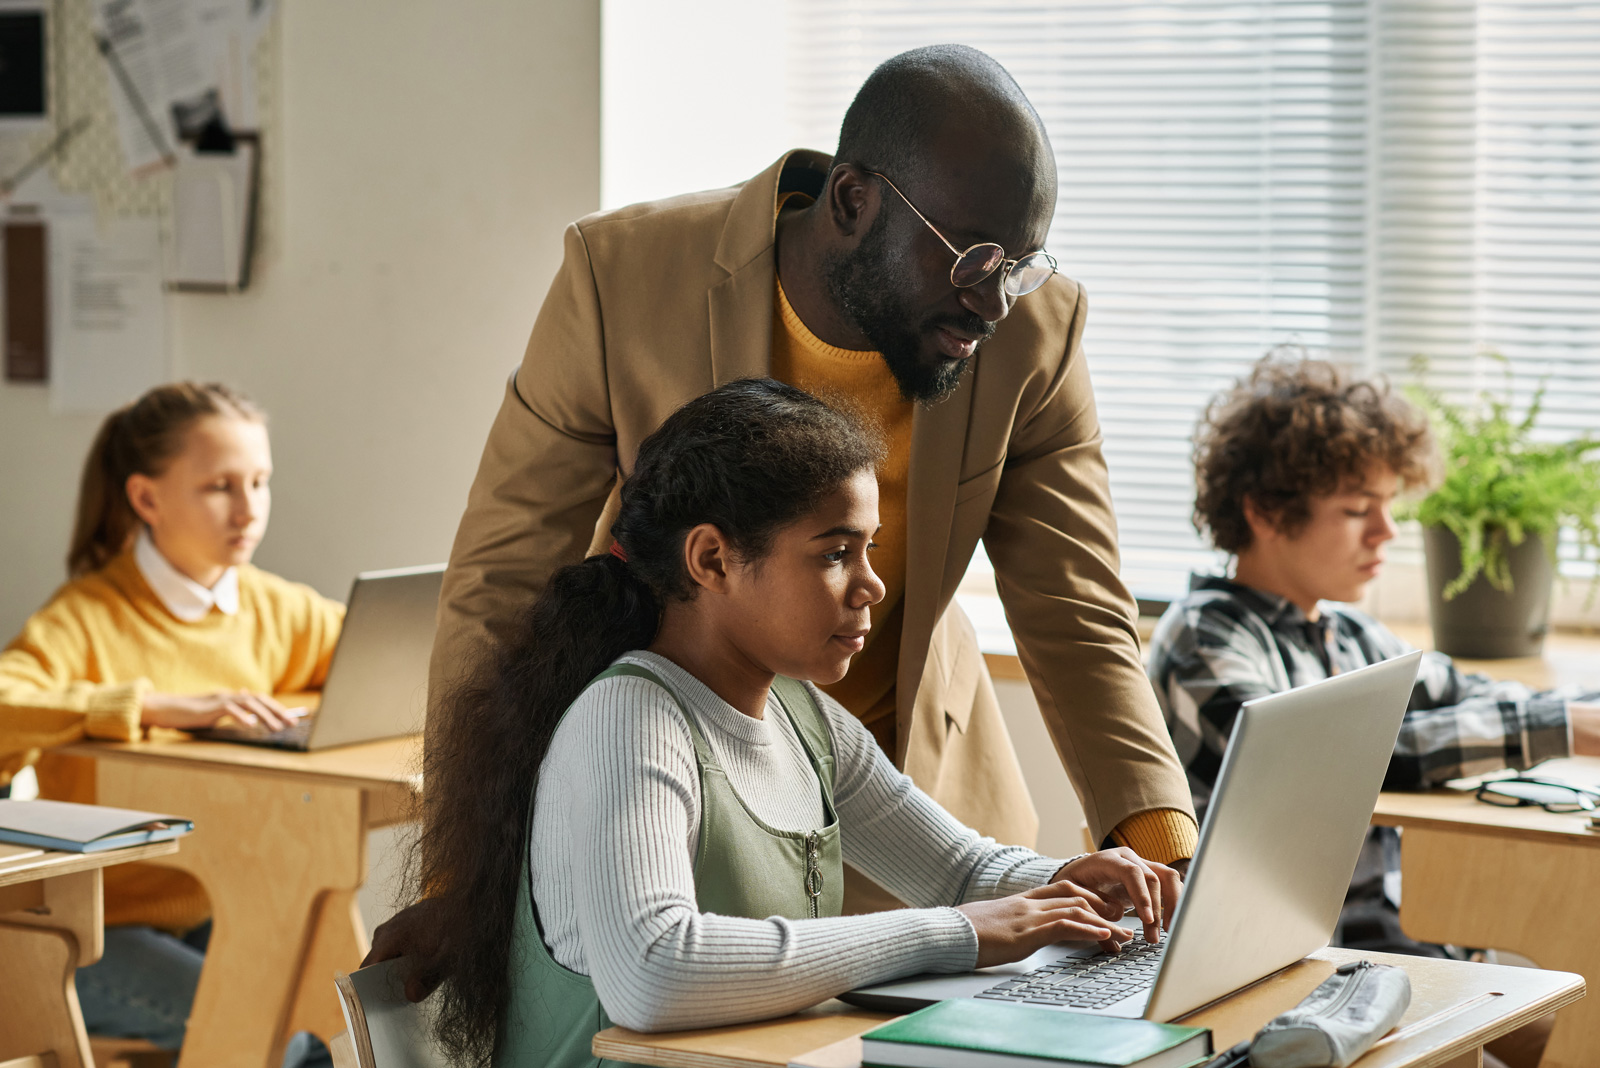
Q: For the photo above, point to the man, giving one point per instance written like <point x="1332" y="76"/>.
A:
<point x="868" y="277"/>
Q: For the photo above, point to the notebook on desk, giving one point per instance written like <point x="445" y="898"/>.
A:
<point x="1280" y="840"/>
<point x="377" y="684"/>
<point x="73" y="828"/>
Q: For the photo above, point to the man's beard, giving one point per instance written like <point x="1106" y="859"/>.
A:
<point x="862" y="283"/>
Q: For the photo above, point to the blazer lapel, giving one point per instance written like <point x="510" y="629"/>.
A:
<point x="740" y="306"/>
<point x="938" y="440"/>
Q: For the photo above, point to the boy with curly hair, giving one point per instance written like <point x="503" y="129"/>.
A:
<point x="1296" y="470"/>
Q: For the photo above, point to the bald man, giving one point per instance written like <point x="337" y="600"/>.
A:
<point x="909" y="274"/>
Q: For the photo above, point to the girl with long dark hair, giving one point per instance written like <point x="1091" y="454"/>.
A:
<point x="637" y="814"/>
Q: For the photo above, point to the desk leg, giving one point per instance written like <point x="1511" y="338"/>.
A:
<point x="268" y="851"/>
<point x="42" y="944"/>
<point x="1528" y="897"/>
<point x="338" y="942"/>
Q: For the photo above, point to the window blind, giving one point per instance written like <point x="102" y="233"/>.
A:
<point x="1212" y="158"/>
<point x="1487" y="199"/>
<point x="1370" y="179"/>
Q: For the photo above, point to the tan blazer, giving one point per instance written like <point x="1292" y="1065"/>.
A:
<point x="658" y="303"/>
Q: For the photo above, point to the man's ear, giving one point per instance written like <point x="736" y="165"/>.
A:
<point x="141" y="492"/>
<point x="853" y="200"/>
<point x="706" y="556"/>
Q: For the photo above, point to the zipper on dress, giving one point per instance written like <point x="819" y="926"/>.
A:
<point x="813" y="870"/>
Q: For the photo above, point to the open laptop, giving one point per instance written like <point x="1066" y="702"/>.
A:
<point x="377" y="684"/>
<point x="1280" y="841"/>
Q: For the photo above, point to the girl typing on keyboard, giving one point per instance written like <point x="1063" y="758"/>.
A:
<point x="163" y="624"/>
<point x="643" y="804"/>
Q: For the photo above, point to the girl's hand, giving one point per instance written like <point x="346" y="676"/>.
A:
<point x="1012" y="927"/>
<point x="1123" y="878"/>
<point x="196" y="711"/>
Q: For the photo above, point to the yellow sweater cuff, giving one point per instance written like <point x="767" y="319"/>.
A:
<point x="1163" y="835"/>
<point x="113" y="711"/>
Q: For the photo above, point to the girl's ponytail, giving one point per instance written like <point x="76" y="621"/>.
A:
<point x="104" y="519"/>
<point x="137" y="439"/>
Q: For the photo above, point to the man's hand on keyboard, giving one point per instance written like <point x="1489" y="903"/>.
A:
<point x="191" y="712"/>
<point x="1124" y="878"/>
<point x="1010" y="928"/>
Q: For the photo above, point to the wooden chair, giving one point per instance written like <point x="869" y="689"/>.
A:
<point x="127" y="1053"/>
<point x="385" y="1030"/>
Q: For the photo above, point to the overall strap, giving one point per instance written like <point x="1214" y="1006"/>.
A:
<point x="810" y="725"/>
<point x="702" y="748"/>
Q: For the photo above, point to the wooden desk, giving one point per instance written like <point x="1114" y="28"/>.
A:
<point x="1508" y="878"/>
<point x="1448" y="1000"/>
<point x="280" y="846"/>
<point x="52" y="915"/>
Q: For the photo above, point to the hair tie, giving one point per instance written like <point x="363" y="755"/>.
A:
<point x="619" y="552"/>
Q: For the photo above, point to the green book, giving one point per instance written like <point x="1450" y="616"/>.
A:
<point x="969" y="1033"/>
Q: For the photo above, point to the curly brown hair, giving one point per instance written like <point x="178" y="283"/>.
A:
<point x="1294" y="430"/>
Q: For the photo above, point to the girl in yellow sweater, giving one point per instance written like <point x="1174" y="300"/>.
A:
<point x="163" y="624"/>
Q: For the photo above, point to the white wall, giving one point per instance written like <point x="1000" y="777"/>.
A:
<point x="432" y="151"/>
<point x="693" y="95"/>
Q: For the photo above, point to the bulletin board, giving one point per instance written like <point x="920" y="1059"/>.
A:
<point x="118" y="210"/>
<point x="92" y="162"/>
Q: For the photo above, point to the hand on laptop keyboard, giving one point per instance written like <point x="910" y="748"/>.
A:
<point x="188" y="712"/>
<point x="1011" y="928"/>
<point x="1126" y="880"/>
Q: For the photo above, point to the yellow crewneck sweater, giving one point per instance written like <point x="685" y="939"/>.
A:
<point x="83" y="663"/>
<point x="802" y="359"/>
<point x="862" y="380"/>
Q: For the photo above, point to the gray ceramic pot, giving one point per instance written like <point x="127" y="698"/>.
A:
<point x="1482" y="622"/>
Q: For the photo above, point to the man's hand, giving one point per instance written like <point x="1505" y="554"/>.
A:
<point x="1012" y="927"/>
<point x="1122" y="877"/>
<point x="412" y="933"/>
<point x="197" y="711"/>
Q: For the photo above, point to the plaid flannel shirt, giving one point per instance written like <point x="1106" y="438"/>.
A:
<point x="1225" y="644"/>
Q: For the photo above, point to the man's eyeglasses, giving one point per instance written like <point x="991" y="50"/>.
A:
<point x="1022" y="275"/>
<point x="1530" y="790"/>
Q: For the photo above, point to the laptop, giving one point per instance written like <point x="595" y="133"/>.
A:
<point x="377" y="684"/>
<point x="1280" y="841"/>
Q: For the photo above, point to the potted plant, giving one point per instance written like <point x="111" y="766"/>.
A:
<point x="1490" y="527"/>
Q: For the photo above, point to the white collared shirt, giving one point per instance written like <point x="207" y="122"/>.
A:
<point x="185" y="598"/>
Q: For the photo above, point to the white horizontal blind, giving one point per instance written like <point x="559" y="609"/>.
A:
<point x="1487" y="201"/>
<point x="1213" y="162"/>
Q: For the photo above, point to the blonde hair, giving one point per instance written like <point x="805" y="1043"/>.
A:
<point x="141" y="438"/>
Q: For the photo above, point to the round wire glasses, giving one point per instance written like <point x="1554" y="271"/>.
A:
<point x="1022" y="275"/>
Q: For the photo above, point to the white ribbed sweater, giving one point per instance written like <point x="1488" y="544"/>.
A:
<point x="616" y="824"/>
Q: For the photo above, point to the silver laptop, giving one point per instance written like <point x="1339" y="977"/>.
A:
<point x="1280" y="841"/>
<point x="377" y="685"/>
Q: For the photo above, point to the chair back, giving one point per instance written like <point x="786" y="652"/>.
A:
<point x="386" y="1030"/>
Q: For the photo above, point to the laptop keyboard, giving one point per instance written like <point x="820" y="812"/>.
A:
<point x="294" y="736"/>
<point x="1085" y="982"/>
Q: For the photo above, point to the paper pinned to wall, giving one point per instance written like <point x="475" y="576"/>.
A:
<point x="212" y="203"/>
<point x="176" y="64"/>
<point x="108" y="312"/>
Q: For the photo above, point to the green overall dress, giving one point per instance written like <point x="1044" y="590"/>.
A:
<point x="742" y="868"/>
